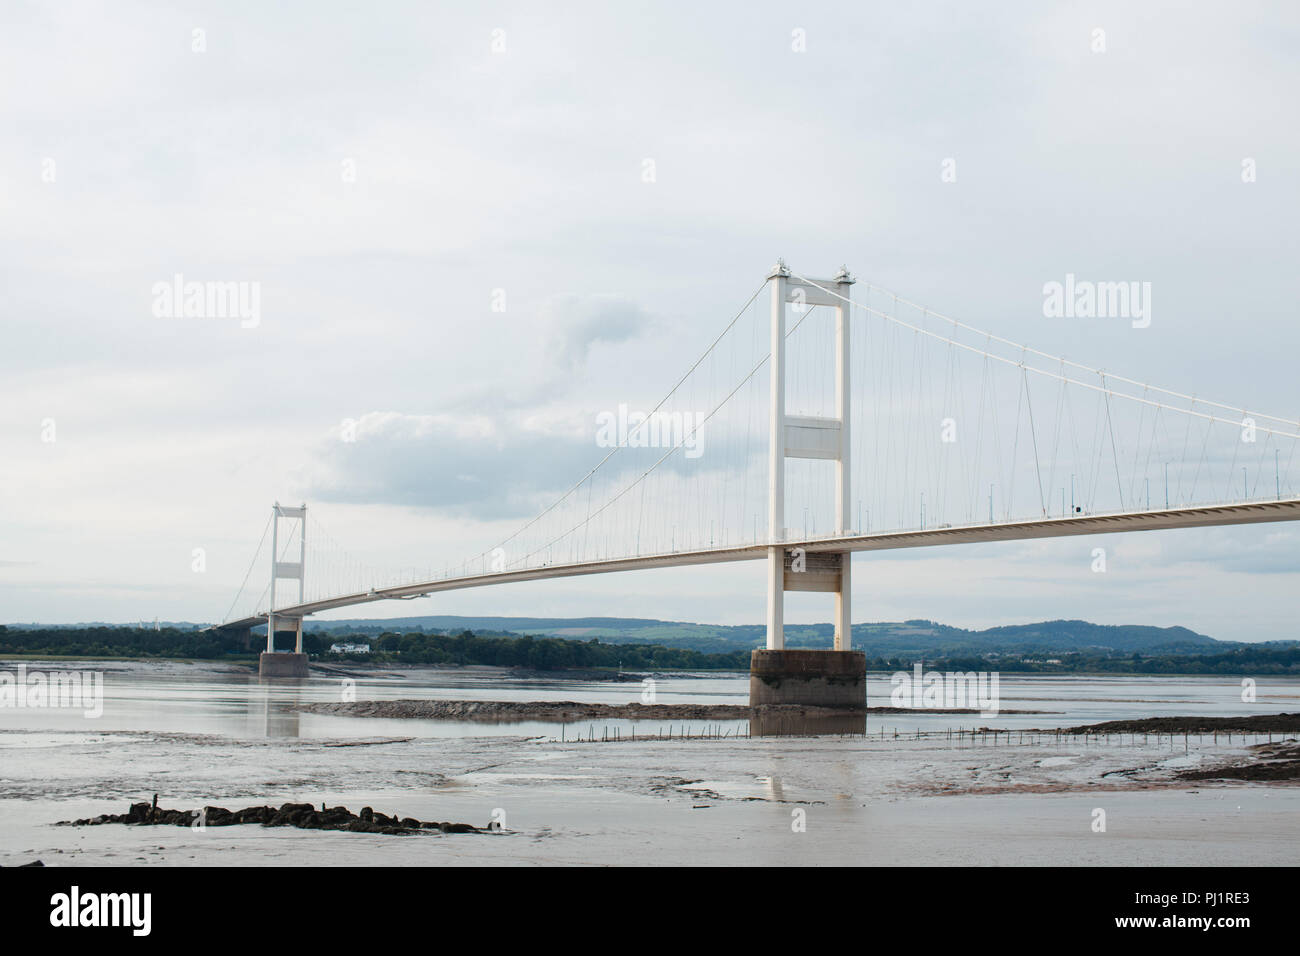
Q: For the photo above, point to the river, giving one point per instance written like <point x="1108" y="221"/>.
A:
<point x="202" y="733"/>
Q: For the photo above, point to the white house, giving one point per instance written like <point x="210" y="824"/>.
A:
<point x="349" y="648"/>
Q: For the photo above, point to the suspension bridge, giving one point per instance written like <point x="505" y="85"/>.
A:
<point x="829" y="417"/>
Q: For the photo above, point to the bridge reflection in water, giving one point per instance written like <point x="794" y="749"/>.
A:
<point x="764" y="722"/>
<point x="273" y="713"/>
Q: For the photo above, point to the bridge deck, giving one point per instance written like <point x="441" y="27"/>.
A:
<point x="1198" y="517"/>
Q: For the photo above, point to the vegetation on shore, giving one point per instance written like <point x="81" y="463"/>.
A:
<point x="553" y="653"/>
<point x="912" y="639"/>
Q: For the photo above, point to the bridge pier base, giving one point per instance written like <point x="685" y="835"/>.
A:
<point x="282" y="666"/>
<point x="834" y="680"/>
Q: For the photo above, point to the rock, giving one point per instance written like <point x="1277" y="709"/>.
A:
<point x="218" y="817"/>
<point x="252" y="815"/>
<point x="303" y="816"/>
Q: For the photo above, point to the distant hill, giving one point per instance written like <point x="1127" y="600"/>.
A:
<point x="887" y="639"/>
<point x="907" y="639"/>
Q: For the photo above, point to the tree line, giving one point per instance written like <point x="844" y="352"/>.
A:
<point x="547" y="653"/>
<point x="554" y="653"/>
<point x="537" y="653"/>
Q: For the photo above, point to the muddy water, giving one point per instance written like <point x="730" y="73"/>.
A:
<point x="205" y="734"/>
<point x="220" y="699"/>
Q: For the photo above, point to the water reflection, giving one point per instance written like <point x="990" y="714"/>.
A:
<point x="775" y="792"/>
<point x="273" y="712"/>
<point x="225" y="700"/>
<point x="767" y="723"/>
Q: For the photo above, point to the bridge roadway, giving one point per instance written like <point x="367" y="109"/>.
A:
<point x="1249" y="512"/>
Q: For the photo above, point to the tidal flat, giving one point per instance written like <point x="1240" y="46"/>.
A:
<point x="917" y="789"/>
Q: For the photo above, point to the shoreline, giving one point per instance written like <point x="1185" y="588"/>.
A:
<point x="565" y="711"/>
<point x="1253" y="724"/>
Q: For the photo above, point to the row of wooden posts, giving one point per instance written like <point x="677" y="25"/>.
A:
<point x="976" y="737"/>
<point x="614" y="734"/>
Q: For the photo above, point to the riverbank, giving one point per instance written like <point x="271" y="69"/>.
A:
<point x="566" y="711"/>
<point x="1250" y="724"/>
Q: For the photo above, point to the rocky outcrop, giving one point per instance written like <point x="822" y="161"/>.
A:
<point x="1250" y="724"/>
<point x="555" y="711"/>
<point x="304" y="816"/>
<point x="1269" y="762"/>
<point x="571" y="711"/>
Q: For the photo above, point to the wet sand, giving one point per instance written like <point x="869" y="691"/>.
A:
<point x="1250" y="724"/>
<point x="567" y="711"/>
<point x="892" y="801"/>
<point x="504" y="711"/>
<point x="1270" y="761"/>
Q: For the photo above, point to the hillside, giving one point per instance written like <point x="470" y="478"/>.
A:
<point x="886" y="639"/>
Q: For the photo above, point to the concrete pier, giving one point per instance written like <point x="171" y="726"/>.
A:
<point x="282" y="665"/>
<point x="831" y="679"/>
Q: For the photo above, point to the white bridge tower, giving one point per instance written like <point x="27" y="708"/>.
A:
<point x="286" y="569"/>
<point x="803" y="436"/>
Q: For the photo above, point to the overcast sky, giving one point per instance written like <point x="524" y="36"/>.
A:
<point x="381" y="170"/>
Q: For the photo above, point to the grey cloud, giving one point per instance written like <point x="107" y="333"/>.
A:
<point x="576" y="323"/>
<point x="483" y="467"/>
<point x="1241" y="550"/>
